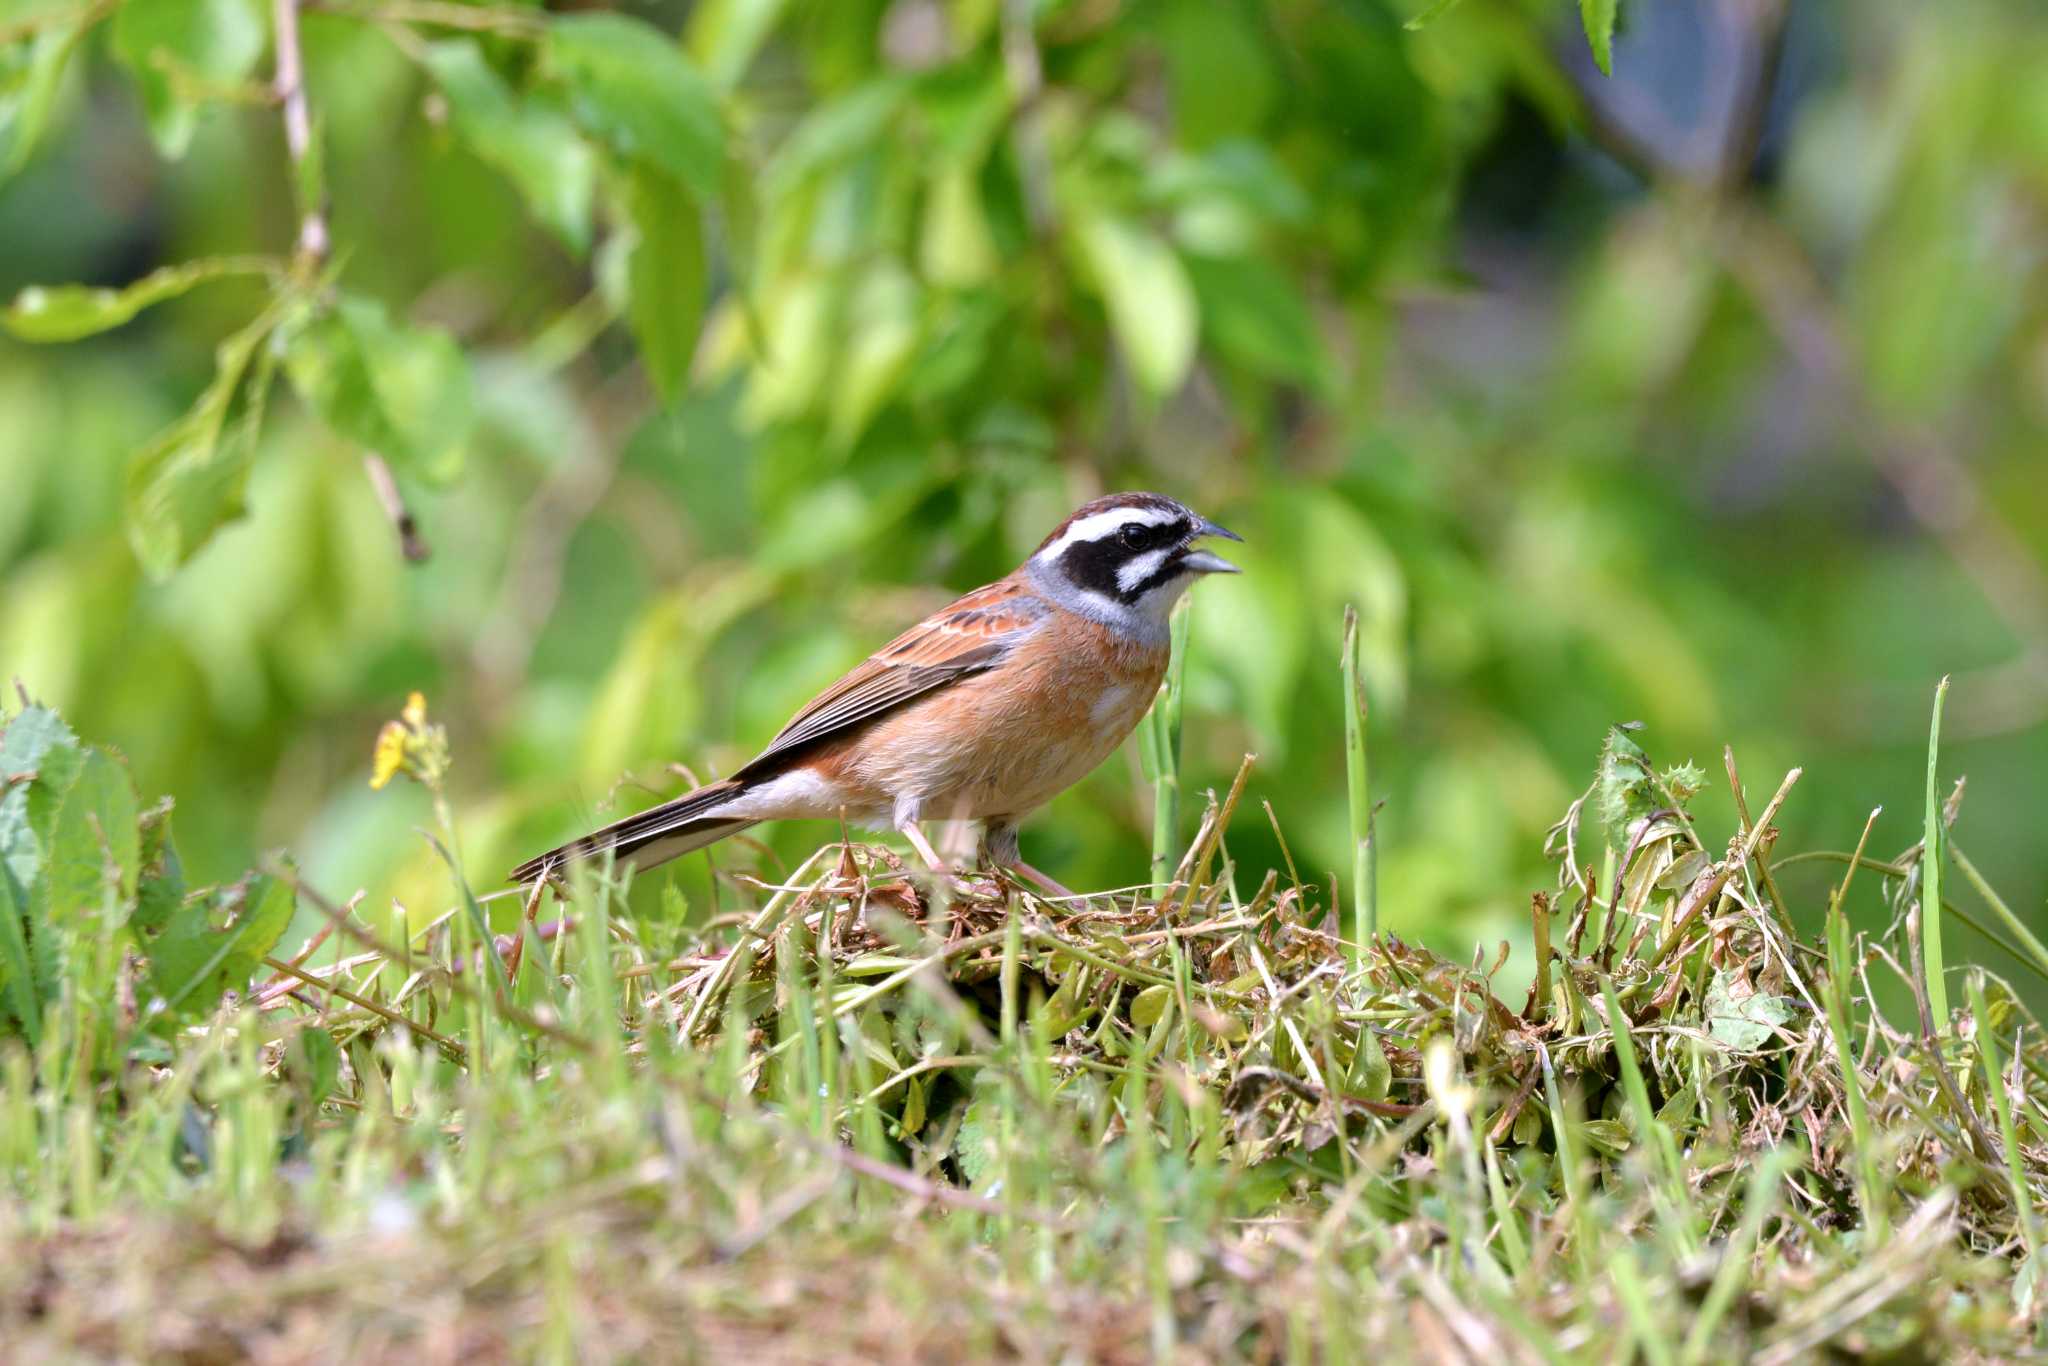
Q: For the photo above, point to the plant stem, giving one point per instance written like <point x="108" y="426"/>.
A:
<point x="1365" y="918"/>
<point x="1931" y="851"/>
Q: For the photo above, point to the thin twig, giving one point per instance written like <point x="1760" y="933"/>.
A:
<point x="290" y="85"/>
<point x="410" y="542"/>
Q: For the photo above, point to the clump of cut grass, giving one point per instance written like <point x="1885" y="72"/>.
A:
<point x="862" y="1119"/>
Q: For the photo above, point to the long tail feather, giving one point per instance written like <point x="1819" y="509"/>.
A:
<point x="649" y="837"/>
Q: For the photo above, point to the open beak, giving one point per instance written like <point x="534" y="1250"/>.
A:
<point x="1201" y="561"/>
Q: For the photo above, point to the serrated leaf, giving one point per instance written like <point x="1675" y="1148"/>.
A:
<point x="95" y="847"/>
<point x="537" y="148"/>
<point x="215" y="942"/>
<point x="1598" y="18"/>
<point x="401" y="391"/>
<point x="177" y="48"/>
<point x="1741" y="1018"/>
<point x="665" y="278"/>
<point x="1150" y="302"/>
<point x="19" y="994"/>
<point x="975" y="1146"/>
<point x="632" y="88"/>
<point x="62" y="313"/>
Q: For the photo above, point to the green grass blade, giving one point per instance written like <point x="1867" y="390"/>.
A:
<point x="2008" y="1133"/>
<point x="1931" y="853"/>
<point x="1161" y="751"/>
<point x="1759" y="1203"/>
<point x="1358" y="787"/>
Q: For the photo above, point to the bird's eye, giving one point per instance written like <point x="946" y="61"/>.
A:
<point x="1134" y="536"/>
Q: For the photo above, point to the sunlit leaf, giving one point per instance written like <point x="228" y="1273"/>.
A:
<point x="179" y="50"/>
<point x="401" y="391"/>
<point x="188" y="480"/>
<point x="61" y="313"/>
<point x="834" y="131"/>
<point x="1598" y="18"/>
<point x="956" y="247"/>
<point x="634" y="90"/>
<point x="665" y="278"/>
<point x="31" y="74"/>
<point x="881" y="336"/>
<point x="1151" y="304"/>
<point x="724" y="36"/>
<point x="536" y="147"/>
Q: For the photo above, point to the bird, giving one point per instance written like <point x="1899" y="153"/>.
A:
<point x="984" y="711"/>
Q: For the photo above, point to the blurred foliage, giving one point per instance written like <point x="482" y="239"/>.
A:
<point x="1710" y="393"/>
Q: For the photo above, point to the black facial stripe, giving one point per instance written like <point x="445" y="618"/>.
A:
<point x="1093" y="565"/>
<point x="1168" y="567"/>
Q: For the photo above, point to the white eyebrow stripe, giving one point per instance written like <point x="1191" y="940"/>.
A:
<point x="1140" y="568"/>
<point x="1095" y="527"/>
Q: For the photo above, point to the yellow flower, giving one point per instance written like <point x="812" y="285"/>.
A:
<point x="409" y="745"/>
<point x="389" y="756"/>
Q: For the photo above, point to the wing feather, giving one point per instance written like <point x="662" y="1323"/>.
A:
<point x="970" y="636"/>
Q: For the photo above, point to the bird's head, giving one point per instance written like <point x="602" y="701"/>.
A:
<point x="1126" y="559"/>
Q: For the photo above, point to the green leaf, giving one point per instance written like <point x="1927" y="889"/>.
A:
<point x="1148" y="1007"/>
<point x="1598" y="17"/>
<point x="634" y="90"/>
<point x="62" y="313"/>
<point x="833" y="132"/>
<point x="724" y="36"/>
<point x="1435" y="10"/>
<point x="1741" y="1018"/>
<point x="665" y="278"/>
<point x="160" y="877"/>
<point x="31" y="74"/>
<point x="19" y="995"/>
<point x="1258" y="318"/>
<point x="403" y="392"/>
<point x="186" y="485"/>
<point x="313" y="1064"/>
<point x="977" y="1147"/>
<point x="215" y="942"/>
<point x="188" y="481"/>
<point x="95" y="849"/>
<point x="177" y="50"/>
<point x="1151" y="304"/>
<point x="881" y="331"/>
<point x="537" y="148"/>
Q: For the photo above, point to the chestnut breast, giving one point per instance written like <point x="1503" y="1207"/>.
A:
<point x="1005" y="742"/>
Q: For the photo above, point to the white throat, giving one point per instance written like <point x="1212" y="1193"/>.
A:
<point x="1143" y="620"/>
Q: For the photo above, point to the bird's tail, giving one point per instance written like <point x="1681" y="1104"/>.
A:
<point x="650" y="837"/>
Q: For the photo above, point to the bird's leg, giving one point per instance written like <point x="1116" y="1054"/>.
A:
<point x="910" y="831"/>
<point x="999" y="848"/>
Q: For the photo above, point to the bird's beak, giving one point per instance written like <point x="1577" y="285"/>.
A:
<point x="1201" y="561"/>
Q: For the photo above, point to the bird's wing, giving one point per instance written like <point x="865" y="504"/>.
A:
<point x="956" y="642"/>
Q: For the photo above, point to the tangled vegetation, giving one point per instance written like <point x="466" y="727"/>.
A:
<point x="870" y="1116"/>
